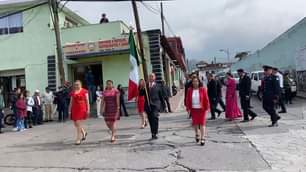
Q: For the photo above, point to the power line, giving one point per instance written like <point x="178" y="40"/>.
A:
<point x="157" y="12"/>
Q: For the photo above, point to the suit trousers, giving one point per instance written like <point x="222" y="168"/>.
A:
<point x="153" y="117"/>
<point x="269" y="107"/>
<point x="245" y="105"/>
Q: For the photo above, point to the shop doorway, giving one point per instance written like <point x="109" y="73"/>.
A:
<point x="81" y="72"/>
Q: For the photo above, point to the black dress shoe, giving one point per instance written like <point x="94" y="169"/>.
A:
<point x="202" y="142"/>
<point x="244" y="121"/>
<point x="253" y="117"/>
<point x="274" y="124"/>
<point x="154" y="137"/>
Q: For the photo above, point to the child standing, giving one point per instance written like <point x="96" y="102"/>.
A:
<point x="21" y="112"/>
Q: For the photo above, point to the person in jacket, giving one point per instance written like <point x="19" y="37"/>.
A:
<point x="1" y="110"/>
<point x="21" y="112"/>
<point x="37" y="109"/>
<point x="271" y="93"/>
<point x="245" y="96"/>
<point x="197" y="104"/>
<point x="153" y="104"/>
<point x="213" y="96"/>
<point x="287" y="87"/>
<point x="30" y="103"/>
<point x="166" y="95"/>
<point x="219" y="93"/>
<point x="122" y="102"/>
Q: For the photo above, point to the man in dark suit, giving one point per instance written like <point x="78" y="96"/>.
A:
<point x="153" y="104"/>
<point x="271" y="92"/>
<point x="245" y="95"/>
<point x="219" y="92"/>
<point x="213" y="96"/>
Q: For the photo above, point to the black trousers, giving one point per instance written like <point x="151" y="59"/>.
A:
<point x="288" y="95"/>
<point x="245" y="105"/>
<point x="122" y="107"/>
<point x="62" y="112"/>
<point x="281" y="101"/>
<point x="166" y="104"/>
<point x="221" y="103"/>
<point x="269" y="106"/>
<point x="213" y="107"/>
<point x="28" y="120"/>
<point x="153" y="117"/>
<point x="37" y="116"/>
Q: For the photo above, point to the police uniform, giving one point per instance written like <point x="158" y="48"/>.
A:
<point x="271" y="92"/>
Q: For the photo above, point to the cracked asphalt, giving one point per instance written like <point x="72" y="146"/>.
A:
<point x="231" y="146"/>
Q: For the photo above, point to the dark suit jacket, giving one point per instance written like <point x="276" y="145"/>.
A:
<point x="245" y="86"/>
<point x="212" y="89"/>
<point x="156" y="95"/>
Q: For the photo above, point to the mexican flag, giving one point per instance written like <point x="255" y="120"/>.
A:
<point x="134" y="74"/>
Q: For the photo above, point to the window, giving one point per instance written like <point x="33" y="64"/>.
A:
<point x="11" y="24"/>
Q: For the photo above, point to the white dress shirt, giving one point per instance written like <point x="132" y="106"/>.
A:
<point x="196" y="99"/>
<point x="281" y="79"/>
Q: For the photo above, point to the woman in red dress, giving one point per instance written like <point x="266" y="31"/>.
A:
<point x="79" y="110"/>
<point x="232" y="110"/>
<point x="110" y="106"/>
<point x="197" y="104"/>
<point x="140" y="103"/>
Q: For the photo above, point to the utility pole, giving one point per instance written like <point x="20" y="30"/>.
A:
<point x="54" y="6"/>
<point x="164" y="57"/>
<point x="140" y="41"/>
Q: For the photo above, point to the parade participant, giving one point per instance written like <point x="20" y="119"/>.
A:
<point x="166" y="95"/>
<point x="79" y="110"/>
<point x="37" y="111"/>
<point x="245" y="95"/>
<point x="1" y="110"/>
<point x="277" y="73"/>
<point x="47" y="98"/>
<point x="30" y="103"/>
<point x="213" y="96"/>
<point x="98" y="101"/>
<point x="152" y="105"/>
<point x="90" y="83"/>
<point x="140" y="99"/>
<point x="287" y="87"/>
<point x="110" y="107"/>
<point x="61" y="99"/>
<point x="21" y="112"/>
<point x="197" y="104"/>
<point x="232" y="111"/>
<point x="122" y="102"/>
<point x="271" y="92"/>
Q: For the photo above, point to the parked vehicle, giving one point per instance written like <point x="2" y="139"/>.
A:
<point x="257" y="78"/>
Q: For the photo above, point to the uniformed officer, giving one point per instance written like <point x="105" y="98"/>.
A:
<point x="281" y="103"/>
<point x="271" y="92"/>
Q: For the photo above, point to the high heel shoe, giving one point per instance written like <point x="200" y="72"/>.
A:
<point x="78" y="142"/>
<point x="84" y="136"/>
<point x="202" y="142"/>
<point x="197" y="138"/>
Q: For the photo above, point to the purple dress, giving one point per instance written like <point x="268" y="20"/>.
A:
<point x="232" y="110"/>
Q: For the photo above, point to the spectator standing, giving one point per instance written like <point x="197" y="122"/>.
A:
<point x="166" y="95"/>
<point x="30" y="103"/>
<point x="287" y="87"/>
<point x="98" y="101"/>
<point x="104" y="19"/>
<point x="37" y="111"/>
<point x="21" y="112"/>
<point x="122" y="102"/>
<point x="48" y="101"/>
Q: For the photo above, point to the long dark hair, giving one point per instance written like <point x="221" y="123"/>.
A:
<point x="229" y="74"/>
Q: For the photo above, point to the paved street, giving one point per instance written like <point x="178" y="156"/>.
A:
<point x="231" y="146"/>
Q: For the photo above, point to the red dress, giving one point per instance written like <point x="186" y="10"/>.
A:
<point x="141" y="100"/>
<point x="79" y="105"/>
<point x="232" y="110"/>
<point x="198" y="115"/>
<point x="111" y="113"/>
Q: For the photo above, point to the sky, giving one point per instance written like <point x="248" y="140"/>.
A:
<point x="206" y="26"/>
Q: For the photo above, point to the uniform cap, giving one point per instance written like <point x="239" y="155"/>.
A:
<point x="267" y="67"/>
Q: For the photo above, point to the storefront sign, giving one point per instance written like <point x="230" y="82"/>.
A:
<point x="96" y="47"/>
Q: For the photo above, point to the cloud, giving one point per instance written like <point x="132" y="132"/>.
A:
<point x="209" y="25"/>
